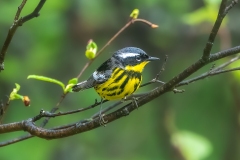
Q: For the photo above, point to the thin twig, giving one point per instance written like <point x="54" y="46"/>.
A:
<point x="52" y="114"/>
<point x="54" y="110"/>
<point x="154" y="80"/>
<point x="20" y="10"/>
<point x="208" y="74"/>
<point x="114" y="37"/>
<point x="18" y="22"/>
<point x="216" y="71"/>
<point x="11" y="32"/>
<point x="230" y="6"/>
<point x="100" y="51"/>
<point x="12" y="141"/>
<point x="212" y="36"/>
<point x="163" y="67"/>
<point x="226" y="64"/>
<point x="21" y="138"/>
<point x="35" y="13"/>
<point x="152" y="25"/>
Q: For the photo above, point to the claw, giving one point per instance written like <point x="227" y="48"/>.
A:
<point x="102" y="122"/>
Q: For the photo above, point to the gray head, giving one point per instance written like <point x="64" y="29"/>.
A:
<point x="132" y="56"/>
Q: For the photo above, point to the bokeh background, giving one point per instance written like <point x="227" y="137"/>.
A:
<point x="200" y="124"/>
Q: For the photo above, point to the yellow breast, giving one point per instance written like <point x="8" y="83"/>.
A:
<point x="121" y="84"/>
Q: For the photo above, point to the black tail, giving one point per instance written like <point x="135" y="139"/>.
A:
<point x="80" y="86"/>
<point x="83" y="85"/>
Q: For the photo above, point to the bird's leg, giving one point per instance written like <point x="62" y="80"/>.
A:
<point x="134" y="100"/>
<point x="101" y="119"/>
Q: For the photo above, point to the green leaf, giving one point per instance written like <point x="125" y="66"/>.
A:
<point x="193" y="146"/>
<point x="68" y="88"/>
<point x="134" y="14"/>
<point x="17" y="86"/>
<point x="90" y="54"/>
<point x="91" y="49"/>
<point x="73" y="81"/>
<point x="47" y="79"/>
<point x="13" y="95"/>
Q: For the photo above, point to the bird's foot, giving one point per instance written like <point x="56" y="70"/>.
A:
<point x="134" y="101"/>
<point x="102" y="122"/>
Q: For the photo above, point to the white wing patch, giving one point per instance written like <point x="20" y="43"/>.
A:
<point x="100" y="77"/>
<point x="96" y="76"/>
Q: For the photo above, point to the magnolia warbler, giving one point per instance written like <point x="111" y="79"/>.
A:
<point x="119" y="76"/>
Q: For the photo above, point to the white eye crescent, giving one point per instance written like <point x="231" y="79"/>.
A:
<point x="138" y="58"/>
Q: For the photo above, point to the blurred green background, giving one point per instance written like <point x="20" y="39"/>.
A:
<point x="199" y="124"/>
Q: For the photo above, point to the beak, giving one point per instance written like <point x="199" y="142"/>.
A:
<point x="153" y="58"/>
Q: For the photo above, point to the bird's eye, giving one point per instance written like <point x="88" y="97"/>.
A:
<point x="138" y="58"/>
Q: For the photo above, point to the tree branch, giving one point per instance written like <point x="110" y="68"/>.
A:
<point x="20" y="10"/>
<point x="52" y="114"/>
<point x="29" y="126"/>
<point x="207" y="74"/>
<point x="221" y="14"/>
<point x="18" y="22"/>
<point x="2" y="144"/>
<point x="35" y="13"/>
<point x="84" y="125"/>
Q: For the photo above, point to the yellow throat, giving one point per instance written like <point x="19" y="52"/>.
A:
<point x="138" y="67"/>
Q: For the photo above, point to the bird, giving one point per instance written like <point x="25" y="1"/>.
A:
<point x="119" y="76"/>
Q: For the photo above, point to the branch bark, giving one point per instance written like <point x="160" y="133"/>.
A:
<point x="29" y="126"/>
